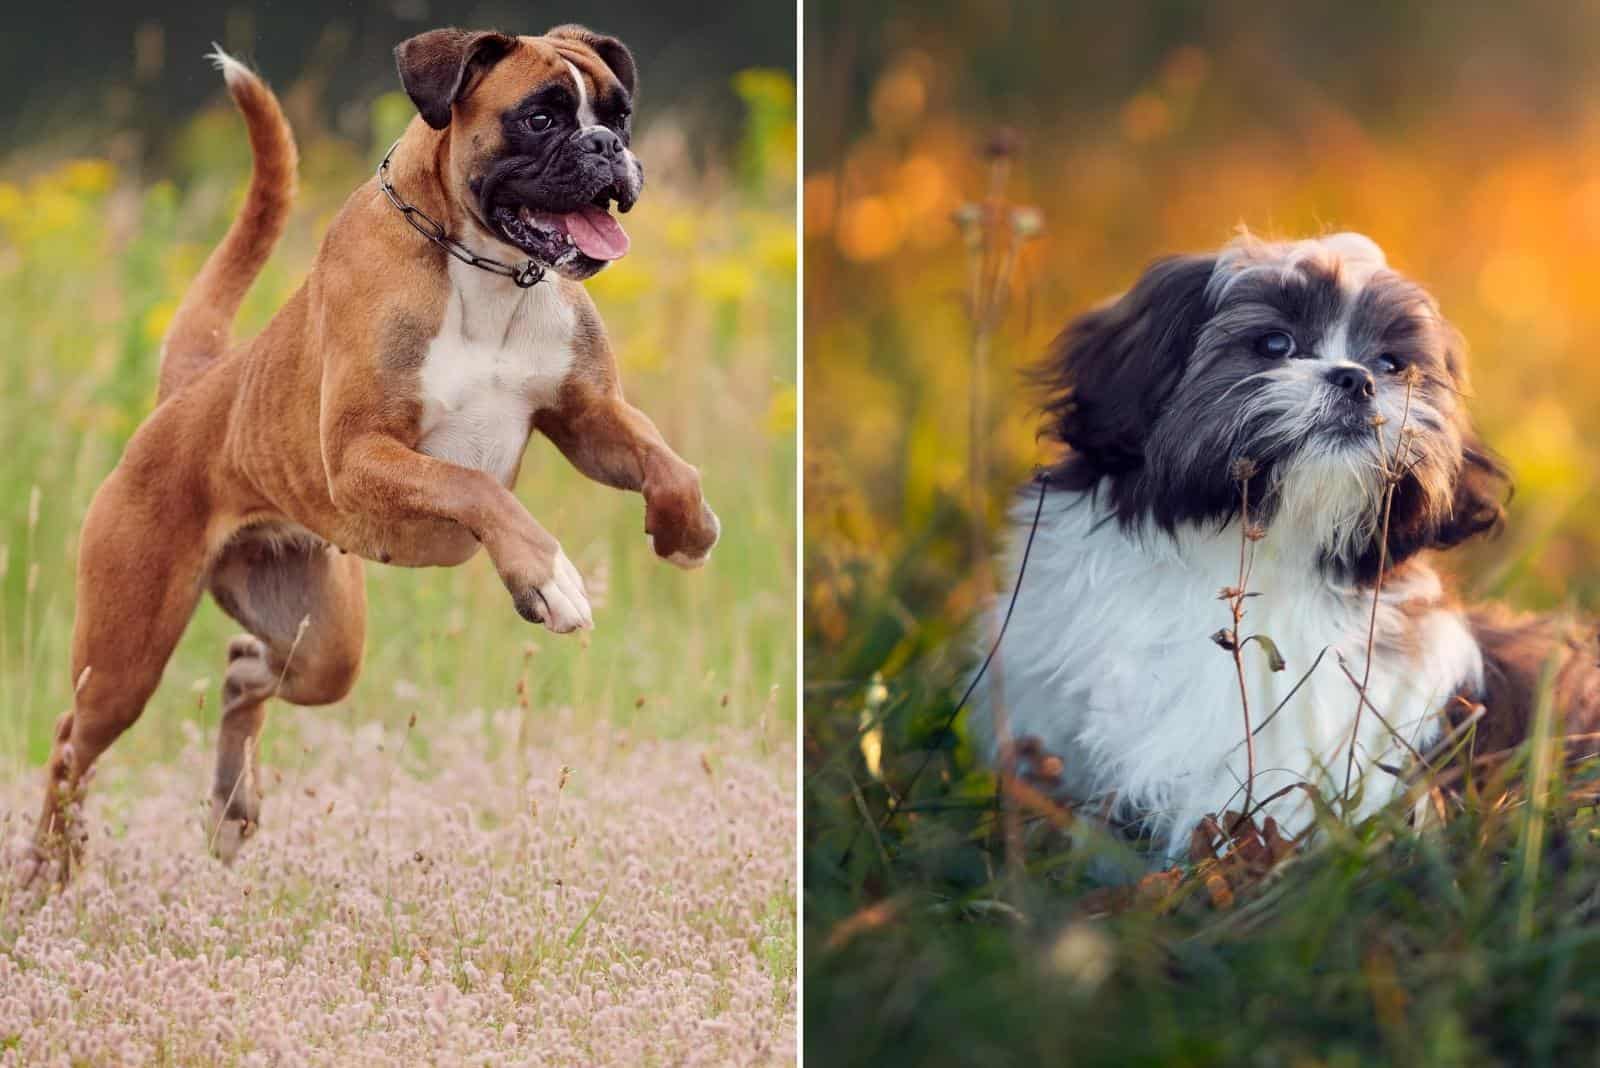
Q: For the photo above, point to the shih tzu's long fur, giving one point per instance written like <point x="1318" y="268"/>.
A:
<point x="1298" y="372"/>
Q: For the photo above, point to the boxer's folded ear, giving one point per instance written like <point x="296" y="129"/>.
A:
<point x="439" y="68"/>
<point x="612" y="52"/>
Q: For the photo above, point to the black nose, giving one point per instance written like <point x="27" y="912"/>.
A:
<point x="1353" y="382"/>
<point x="600" y="141"/>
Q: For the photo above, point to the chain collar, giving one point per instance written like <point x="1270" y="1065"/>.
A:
<point x="528" y="275"/>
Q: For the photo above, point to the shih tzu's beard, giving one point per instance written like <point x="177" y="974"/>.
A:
<point x="1315" y="472"/>
<point x="1328" y="499"/>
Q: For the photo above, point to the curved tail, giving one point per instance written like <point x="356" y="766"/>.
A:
<point x="199" y="330"/>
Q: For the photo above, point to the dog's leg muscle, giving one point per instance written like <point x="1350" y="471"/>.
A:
<point x="304" y="604"/>
<point x="380" y="478"/>
<point x="140" y="563"/>
<point x="617" y="445"/>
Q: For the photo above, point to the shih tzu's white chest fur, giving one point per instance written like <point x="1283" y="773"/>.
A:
<point x="1109" y="663"/>
<point x="501" y="354"/>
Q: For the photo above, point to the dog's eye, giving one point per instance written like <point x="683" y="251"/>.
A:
<point x="1275" y="344"/>
<point x="538" y="122"/>
<point x="1391" y="364"/>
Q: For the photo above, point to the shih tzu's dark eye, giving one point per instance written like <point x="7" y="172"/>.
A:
<point x="538" y="122"/>
<point x="1275" y="344"/>
<point x="1391" y="364"/>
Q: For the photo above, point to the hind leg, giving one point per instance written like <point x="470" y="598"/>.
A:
<point x="140" y="562"/>
<point x="304" y="604"/>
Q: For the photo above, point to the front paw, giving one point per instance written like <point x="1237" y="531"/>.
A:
<point x="559" y="602"/>
<point x="691" y="548"/>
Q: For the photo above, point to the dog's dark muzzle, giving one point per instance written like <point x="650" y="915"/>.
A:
<point x="594" y="167"/>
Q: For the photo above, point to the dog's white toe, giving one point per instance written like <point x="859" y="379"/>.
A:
<point x="565" y="599"/>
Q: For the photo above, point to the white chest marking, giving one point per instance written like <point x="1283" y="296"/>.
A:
<point x="1109" y="663"/>
<point x="500" y="355"/>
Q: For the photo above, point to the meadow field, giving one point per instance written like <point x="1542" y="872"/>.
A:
<point x="1158" y="129"/>
<point x="503" y="845"/>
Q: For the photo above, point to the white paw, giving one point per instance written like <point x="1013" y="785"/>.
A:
<point x="566" y="603"/>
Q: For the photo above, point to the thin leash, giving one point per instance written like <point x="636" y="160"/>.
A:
<point x="527" y="276"/>
<point x="893" y="809"/>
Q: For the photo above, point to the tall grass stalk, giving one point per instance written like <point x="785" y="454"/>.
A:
<point x="1542" y="764"/>
<point x="994" y="231"/>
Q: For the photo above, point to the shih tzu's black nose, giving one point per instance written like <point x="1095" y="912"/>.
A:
<point x="1355" y="382"/>
<point x="600" y="141"/>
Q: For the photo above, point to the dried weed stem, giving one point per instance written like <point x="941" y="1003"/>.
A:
<point x="1393" y="471"/>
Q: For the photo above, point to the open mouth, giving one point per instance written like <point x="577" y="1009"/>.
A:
<point x="558" y="238"/>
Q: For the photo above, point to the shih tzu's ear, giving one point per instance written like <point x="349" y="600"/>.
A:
<point x="1483" y="486"/>
<point x="1481" y="492"/>
<point x="439" y="68"/>
<point x="1477" y="494"/>
<point x="1477" y="506"/>
<point x="1111" y="370"/>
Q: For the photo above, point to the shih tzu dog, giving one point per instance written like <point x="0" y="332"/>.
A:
<point x="1288" y="413"/>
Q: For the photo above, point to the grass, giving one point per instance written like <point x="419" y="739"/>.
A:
<point x="1383" y="947"/>
<point x="489" y="903"/>
<point x="484" y="849"/>
<point x="1472" y="941"/>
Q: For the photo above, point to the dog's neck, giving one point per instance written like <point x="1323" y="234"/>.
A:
<point x="418" y="170"/>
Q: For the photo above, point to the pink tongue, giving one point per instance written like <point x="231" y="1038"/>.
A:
<point x="596" y="233"/>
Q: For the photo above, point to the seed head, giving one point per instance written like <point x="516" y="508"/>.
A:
<point x="1003" y="143"/>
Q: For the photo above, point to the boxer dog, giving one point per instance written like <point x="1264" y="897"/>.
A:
<point x="383" y="412"/>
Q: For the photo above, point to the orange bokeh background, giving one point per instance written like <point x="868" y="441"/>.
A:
<point x="1465" y="139"/>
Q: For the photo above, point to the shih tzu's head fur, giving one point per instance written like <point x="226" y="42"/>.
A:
<point x="1296" y="371"/>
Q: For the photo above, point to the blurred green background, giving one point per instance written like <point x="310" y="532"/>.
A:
<point x="124" y="162"/>
<point x="1465" y="139"/>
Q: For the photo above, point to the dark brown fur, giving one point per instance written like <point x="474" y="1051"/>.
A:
<point x="1518" y="651"/>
